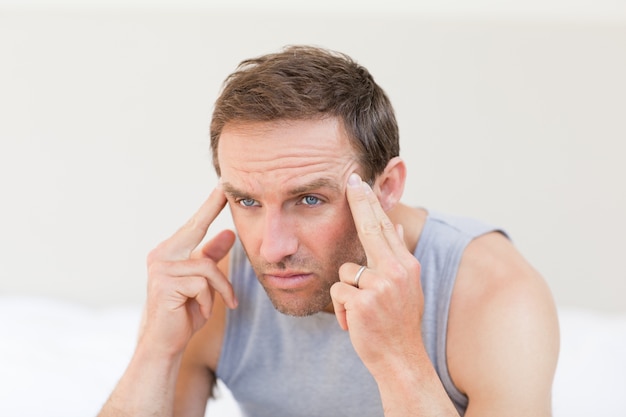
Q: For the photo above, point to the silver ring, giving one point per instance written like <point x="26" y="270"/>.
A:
<point x="357" y="277"/>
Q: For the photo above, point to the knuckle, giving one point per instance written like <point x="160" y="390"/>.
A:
<point x="400" y="275"/>
<point x="415" y="268"/>
<point x="156" y="284"/>
<point x="387" y="225"/>
<point x="370" y="227"/>
<point x="154" y="255"/>
<point x="343" y="269"/>
<point x="202" y="283"/>
<point x="155" y="268"/>
<point x="161" y="251"/>
<point x="360" y="197"/>
<point x="385" y="287"/>
<point x="367" y="303"/>
<point x="206" y="266"/>
<point x="397" y="272"/>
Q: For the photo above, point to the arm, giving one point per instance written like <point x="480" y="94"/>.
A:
<point x="383" y="313"/>
<point x="196" y="378"/>
<point x="503" y="337"/>
<point x="503" y="341"/>
<point x="181" y="288"/>
<point x="145" y="388"/>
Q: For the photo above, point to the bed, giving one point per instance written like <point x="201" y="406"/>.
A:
<point x="62" y="359"/>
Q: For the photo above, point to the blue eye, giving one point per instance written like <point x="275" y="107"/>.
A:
<point x="247" y="202"/>
<point x="310" y="200"/>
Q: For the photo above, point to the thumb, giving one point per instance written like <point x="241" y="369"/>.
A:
<point x="219" y="245"/>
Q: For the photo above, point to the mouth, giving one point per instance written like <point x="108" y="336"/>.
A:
<point x="287" y="280"/>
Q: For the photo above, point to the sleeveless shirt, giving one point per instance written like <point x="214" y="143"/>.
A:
<point x="277" y="365"/>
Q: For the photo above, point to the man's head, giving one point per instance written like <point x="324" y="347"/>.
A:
<point x="302" y="83"/>
<point x="287" y="132"/>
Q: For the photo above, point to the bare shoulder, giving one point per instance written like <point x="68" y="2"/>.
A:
<point x="503" y="336"/>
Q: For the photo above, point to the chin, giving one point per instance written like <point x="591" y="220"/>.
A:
<point x="299" y="305"/>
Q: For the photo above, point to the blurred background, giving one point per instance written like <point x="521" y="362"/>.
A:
<point x="511" y="112"/>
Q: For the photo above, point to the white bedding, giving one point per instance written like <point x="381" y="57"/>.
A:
<point x="59" y="359"/>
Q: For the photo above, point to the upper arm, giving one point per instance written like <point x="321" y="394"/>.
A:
<point x="503" y="336"/>
<point x="193" y="388"/>
<point x="196" y="377"/>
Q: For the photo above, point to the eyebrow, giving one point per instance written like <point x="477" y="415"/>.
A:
<point x="301" y="189"/>
<point x="315" y="185"/>
<point x="232" y="191"/>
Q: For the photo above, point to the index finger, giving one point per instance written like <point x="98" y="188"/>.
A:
<point x="189" y="236"/>
<point x="371" y="227"/>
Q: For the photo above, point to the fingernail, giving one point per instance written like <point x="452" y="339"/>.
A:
<point x="354" y="180"/>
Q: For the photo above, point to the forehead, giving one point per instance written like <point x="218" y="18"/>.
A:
<point x="286" y="135"/>
<point x="285" y="151"/>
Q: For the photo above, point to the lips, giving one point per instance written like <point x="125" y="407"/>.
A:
<point x="285" y="274"/>
<point x="287" y="280"/>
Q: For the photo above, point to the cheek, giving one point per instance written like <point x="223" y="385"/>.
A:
<point x="331" y="232"/>
<point x="246" y="228"/>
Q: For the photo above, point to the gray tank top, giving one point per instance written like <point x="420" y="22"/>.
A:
<point x="277" y="365"/>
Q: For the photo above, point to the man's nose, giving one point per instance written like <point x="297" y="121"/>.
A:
<point x="279" y="237"/>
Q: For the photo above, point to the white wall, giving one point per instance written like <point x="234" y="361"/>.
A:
<point x="516" y="117"/>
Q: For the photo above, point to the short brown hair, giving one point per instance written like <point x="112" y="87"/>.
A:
<point x="304" y="82"/>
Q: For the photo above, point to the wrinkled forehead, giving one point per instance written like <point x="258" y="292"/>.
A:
<point x="285" y="152"/>
<point x="323" y="126"/>
<point x="283" y="139"/>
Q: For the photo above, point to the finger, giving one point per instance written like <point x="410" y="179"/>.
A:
<point x="219" y="245"/>
<point x="369" y="226"/>
<point x="186" y="239"/>
<point x="217" y="248"/>
<point x="203" y="267"/>
<point x="400" y="231"/>
<point x="340" y="312"/>
<point x="391" y="233"/>
<point x="196" y="288"/>
<point x="348" y="273"/>
<point x="340" y="293"/>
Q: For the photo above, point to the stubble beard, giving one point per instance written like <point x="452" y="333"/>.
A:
<point x="299" y="304"/>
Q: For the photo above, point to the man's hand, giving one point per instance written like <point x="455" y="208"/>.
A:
<point x="383" y="315"/>
<point x="182" y="280"/>
<point x="383" y="312"/>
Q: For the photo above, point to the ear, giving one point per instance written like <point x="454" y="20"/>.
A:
<point x="389" y="185"/>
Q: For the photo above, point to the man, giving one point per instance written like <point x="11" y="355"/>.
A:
<point x="366" y="307"/>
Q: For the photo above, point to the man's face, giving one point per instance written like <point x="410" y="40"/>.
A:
<point x="285" y="183"/>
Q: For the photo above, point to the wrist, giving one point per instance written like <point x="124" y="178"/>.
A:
<point x="409" y="385"/>
<point x="148" y="385"/>
<point x="157" y="355"/>
<point x="402" y="360"/>
<point x="405" y="369"/>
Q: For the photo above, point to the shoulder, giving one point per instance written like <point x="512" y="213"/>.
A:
<point x="503" y="328"/>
